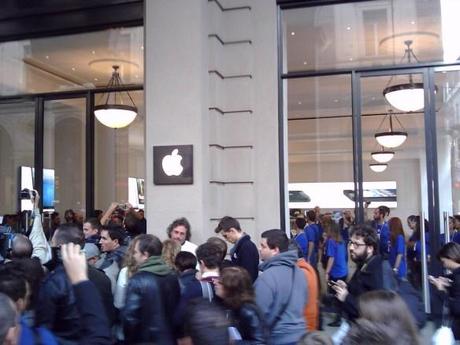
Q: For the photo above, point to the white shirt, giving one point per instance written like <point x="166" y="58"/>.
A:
<point x="189" y="247"/>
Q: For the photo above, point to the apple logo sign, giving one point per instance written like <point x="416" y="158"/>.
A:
<point x="171" y="164"/>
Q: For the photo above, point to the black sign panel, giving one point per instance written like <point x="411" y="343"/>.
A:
<point x="173" y="164"/>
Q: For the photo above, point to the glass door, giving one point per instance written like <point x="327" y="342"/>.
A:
<point x="447" y="107"/>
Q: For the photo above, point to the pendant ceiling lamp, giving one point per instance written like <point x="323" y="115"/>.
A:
<point x="382" y="156"/>
<point x="391" y="138"/>
<point x="379" y="167"/>
<point x="408" y="96"/>
<point x="119" y="109"/>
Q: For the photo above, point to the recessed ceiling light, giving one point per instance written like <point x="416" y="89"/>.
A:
<point x="95" y="79"/>
<point x="348" y="28"/>
<point x="413" y="22"/>
<point x="336" y="100"/>
<point x="47" y="57"/>
<point x="93" y="52"/>
<point x="142" y="47"/>
<point x="73" y="68"/>
<point x="299" y="103"/>
<point x="292" y="33"/>
<point x="136" y="76"/>
<point x="351" y="59"/>
<point x="305" y="62"/>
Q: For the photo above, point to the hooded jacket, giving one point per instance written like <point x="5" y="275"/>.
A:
<point x="281" y="284"/>
<point x="151" y="299"/>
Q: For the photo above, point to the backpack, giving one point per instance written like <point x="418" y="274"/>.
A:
<point x="407" y="292"/>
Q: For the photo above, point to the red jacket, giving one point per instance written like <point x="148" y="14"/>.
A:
<point x="311" y="311"/>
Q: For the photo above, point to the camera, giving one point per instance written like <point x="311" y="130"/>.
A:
<point x="25" y="194"/>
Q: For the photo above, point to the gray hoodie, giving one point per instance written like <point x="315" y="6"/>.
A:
<point x="282" y="282"/>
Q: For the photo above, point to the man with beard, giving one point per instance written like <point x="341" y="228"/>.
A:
<point x="364" y="251"/>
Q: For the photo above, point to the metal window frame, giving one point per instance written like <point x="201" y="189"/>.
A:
<point x="89" y="96"/>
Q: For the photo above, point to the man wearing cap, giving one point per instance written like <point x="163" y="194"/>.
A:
<point x="244" y="253"/>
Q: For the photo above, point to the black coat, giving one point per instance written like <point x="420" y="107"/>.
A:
<point x="367" y="277"/>
<point x="246" y="255"/>
<point x="453" y="302"/>
<point x="57" y="306"/>
<point x="150" y="304"/>
<point x="250" y="323"/>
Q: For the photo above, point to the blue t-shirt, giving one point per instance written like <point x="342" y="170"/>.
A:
<point x="28" y="335"/>
<point x="312" y="233"/>
<point x="301" y="240"/>
<point x="456" y="237"/>
<point x="383" y="232"/>
<point x="399" y="247"/>
<point x="418" y="247"/>
<point x="337" y="250"/>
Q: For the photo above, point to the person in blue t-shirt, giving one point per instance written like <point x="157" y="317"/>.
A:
<point x="336" y="267"/>
<point x="455" y="234"/>
<point x="414" y="249"/>
<point x="312" y="233"/>
<point x="380" y="224"/>
<point x="397" y="255"/>
<point x="300" y="237"/>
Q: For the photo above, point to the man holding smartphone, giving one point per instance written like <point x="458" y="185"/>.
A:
<point x="364" y="251"/>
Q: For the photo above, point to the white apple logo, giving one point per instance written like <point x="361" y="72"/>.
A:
<point x="172" y="164"/>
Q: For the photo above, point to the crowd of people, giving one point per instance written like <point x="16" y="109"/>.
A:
<point x="105" y="280"/>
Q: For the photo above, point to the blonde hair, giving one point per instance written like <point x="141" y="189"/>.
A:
<point x="170" y="250"/>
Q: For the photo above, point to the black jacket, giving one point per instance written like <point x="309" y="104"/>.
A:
<point x="367" y="277"/>
<point x="57" y="306"/>
<point x="251" y="325"/>
<point x="150" y="303"/>
<point x="246" y="255"/>
<point x="453" y="302"/>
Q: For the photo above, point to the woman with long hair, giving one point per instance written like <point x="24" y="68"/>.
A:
<point x="169" y="252"/>
<point x="384" y="319"/>
<point x="397" y="255"/>
<point x="414" y="248"/>
<point x="336" y="267"/>
<point x="234" y="287"/>
<point x="449" y="285"/>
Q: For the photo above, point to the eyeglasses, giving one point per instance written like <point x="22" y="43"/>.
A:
<point x="355" y="244"/>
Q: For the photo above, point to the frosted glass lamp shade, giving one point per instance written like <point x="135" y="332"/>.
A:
<point x="115" y="115"/>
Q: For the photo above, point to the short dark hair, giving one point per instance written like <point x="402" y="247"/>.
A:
<point x="210" y="254"/>
<point x="384" y="210"/>
<point x="180" y="222"/>
<point x="22" y="247"/>
<point x="450" y="251"/>
<point x="276" y="238"/>
<point x="149" y="244"/>
<point x="94" y="222"/>
<point x="8" y="316"/>
<point x="12" y="283"/>
<point x="311" y="216"/>
<point x="185" y="261"/>
<point x="115" y="232"/>
<point x="300" y="222"/>
<point x="131" y="224"/>
<point x="226" y="223"/>
<point x="220" y="243"/>
<point x="206" y="323"/>
<point x="69" y="233"/>
<point x="368" y="233"/>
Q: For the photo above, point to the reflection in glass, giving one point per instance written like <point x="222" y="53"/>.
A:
<point x="17" y="133"/>
<point x="64" y="153"/>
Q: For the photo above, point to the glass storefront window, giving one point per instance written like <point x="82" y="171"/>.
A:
<point x="370" y="34"/>
<point x="64" y="174"/>
<point x="320" y="143"/>
<point x="71" y="62"/>
<point x="17" y="135"/>
<point x="120" y="160"/>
